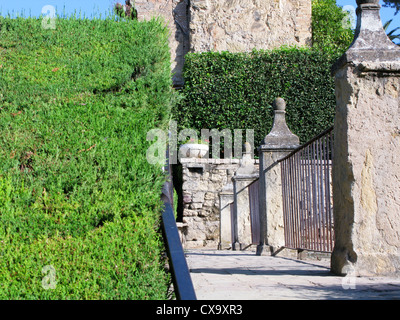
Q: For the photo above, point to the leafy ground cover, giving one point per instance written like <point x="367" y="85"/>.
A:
<point x="76" y="190"/>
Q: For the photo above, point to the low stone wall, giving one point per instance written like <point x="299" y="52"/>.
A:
<point x="203" y="179"/>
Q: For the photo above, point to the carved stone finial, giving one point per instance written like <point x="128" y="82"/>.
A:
<point x="247" y="148"/>
<point x="370" y="43"/>
<point x="247" y="162"/>
<point x="280" y="136"/>
<point x="279" y="104"/>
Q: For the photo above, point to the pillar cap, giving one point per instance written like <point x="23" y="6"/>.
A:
<point x="370" y="43"/>
<point x="360" y="2"/>
<point x="280" y="135"/>
<point x="279" y="104"/>
<point x="247" y="162"/>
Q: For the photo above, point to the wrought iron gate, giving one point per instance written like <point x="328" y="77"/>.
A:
<point x="307" y="195"/>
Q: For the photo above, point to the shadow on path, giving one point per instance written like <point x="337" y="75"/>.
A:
<point x="233" y="275"/>
<point x="263" y="272"/>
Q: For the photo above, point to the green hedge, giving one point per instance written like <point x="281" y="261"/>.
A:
<point x="236" y="91"/>
<point x="76" y="190"/>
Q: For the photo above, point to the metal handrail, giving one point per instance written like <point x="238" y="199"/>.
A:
<point x="303" y="146"/>
<point x="181" y="279"/>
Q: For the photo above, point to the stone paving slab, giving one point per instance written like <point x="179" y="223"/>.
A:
<point x="242" y="275"/>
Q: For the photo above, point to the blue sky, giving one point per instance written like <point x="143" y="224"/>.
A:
<point x="34" y="7"/>
<point x="90" y="7"/>
<point x="386" y="13"/>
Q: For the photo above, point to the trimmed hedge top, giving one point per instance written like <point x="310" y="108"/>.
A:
<point x="76" y="190"/>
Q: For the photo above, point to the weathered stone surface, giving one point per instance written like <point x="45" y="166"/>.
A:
<point x="181" y="231"/>
<point x="272" y="208"/>
<point x="244" y="176"/>
<point x="209" y="196"/>
<point x="365" y="174"/>
<point x="366" y="165"/>
<point x="176" y="16"/>
<point x="242" y="208"/>
<point x="198" y="197"/>
<point x="225" y="205"/>
<point x="371" y="43"/>
<point x="233" y="25"/>
<point x="195" y="184"/>
<point x="190" y="213"/>
<point x="187" y="198"/>
<point x="280" y="135"/>
<point x="241" y="25"/>
<point x="195" y="206"/>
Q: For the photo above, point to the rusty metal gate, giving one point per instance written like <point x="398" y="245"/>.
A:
<point x="307" y="195"/>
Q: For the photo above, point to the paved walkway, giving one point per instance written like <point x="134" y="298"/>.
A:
<point x="241" y="275"/>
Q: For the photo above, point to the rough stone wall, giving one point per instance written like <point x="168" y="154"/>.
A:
<point x="203" y="179"/>
<point x="242" y="25"/>
<point x="229" y="25"/>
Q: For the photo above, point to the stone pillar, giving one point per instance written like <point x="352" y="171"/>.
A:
<point x="276" y="145"/>
<point x="243" y="177"/>
<point x="366" y="163"/>
<point x="225" y="221"/>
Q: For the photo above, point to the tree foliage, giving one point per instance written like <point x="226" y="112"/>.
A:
<point x="331" y="27"/>
<point x="127" y="11"/>
<point x="391" y="34"/>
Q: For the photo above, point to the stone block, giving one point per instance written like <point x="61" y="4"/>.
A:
<point x="187" y="198"/>
<point x="210" y="195"/>
<point x="197" y="185"/>
<point x="198" y="196"/>
<point x="189" y="212"/>
<point x="195" y="206"/>
<point x="209" y="203"/>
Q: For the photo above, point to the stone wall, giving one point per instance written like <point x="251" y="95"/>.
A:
<point x="229" y="25"/>
<point x="203" y="179"/>
<point x="366" y="152"/>
<point x="241" y="25"/>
